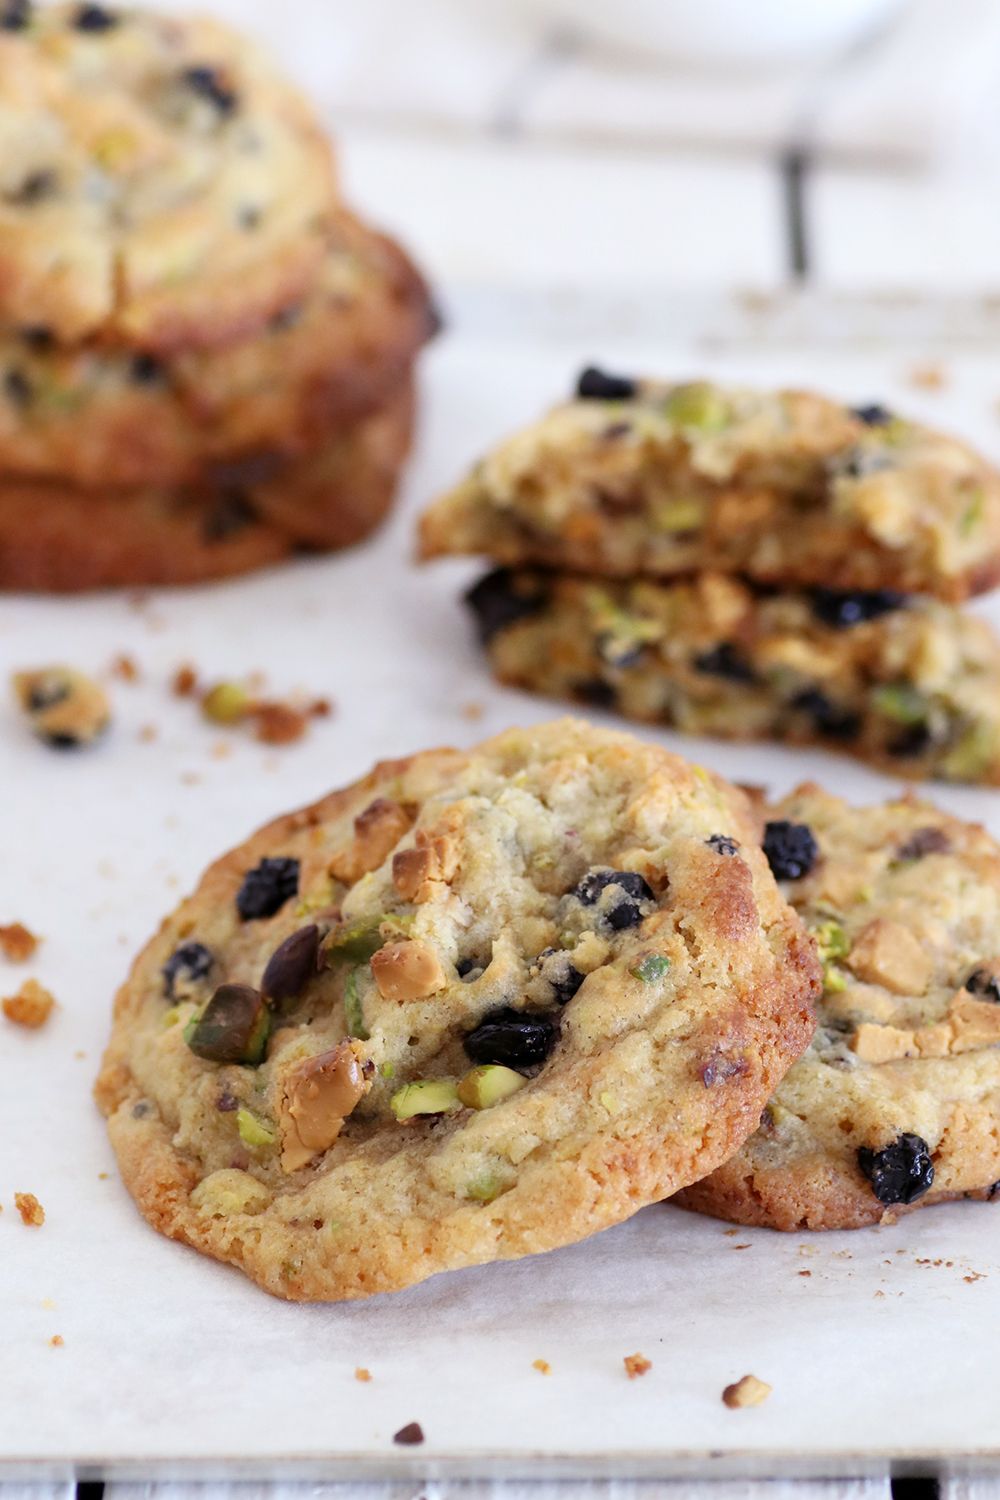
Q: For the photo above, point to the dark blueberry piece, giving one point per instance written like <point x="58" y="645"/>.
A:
<point x="287" y="317"/>
<point x="37" y="336"/>
<point x="791" y="849"/>
<point x="722" y="843"/>
<point x="233" y="1027"/>
<point x="95" y="18"/>
<point x="189" y="963"/>
<point x="145" y="370"/>
<point x="595" y="691"/>
<point x="226" y="1103"/>
<point x="34" y="188"/>
<point x="410" y="1435"/>
<point x="232" y="513"/>
<point x="511" y="1037"/>
<point x="503" y="597"/>
<point x="913" y="740"/>
<point x="598" y="385"/>
<point x="209" y="84"/>
<point x="15" y="15"/>
<point x="725" y="660"/>
<point x="873" y="415"/>
<point x="982" y="982"/>
<point x="627" y="892"/>
<point x="616" y="430"/>
<point x="720" y="1067"/>
<point x="469" y="967"/>
<point x="993" y="1191"/>
<point x="266" y="888"/>
<point x="829" y="718"/>
<point x="924" y="841"/>
<point x="17" y="388"/>
<point x="554" y="966"/>
<point x="47" y="692"/>
<point x="291" y="965"/>
<point x="900" y="1173"/>
<point x="840" y="610"/>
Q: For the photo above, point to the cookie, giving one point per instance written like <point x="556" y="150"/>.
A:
<point x="896" y="1105"/>
<point x="476" y="1006"/>
<point x="57" y="539"/>
<point x="159" y="183"/>
<point x="910" y="684"/>
<point x="96" y="415"/>
<point x="639" y="478"/>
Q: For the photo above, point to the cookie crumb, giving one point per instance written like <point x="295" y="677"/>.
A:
<point x="147" y="734"/>
<point x="31" y="1006"/>
<point x="278" y="723"/>
<point x="184" y="681"/>
<point x="928" y="377"/>
<point x="636" y="1365"/>
<point x="64" y="708"/>
<point x="472" y="711"/>
<point x="748" y="1391"/>
<point x="57" y="1341"/>
<point x="409" y="1436"/>
<point x="124" y="668"/>
<point x="542" y="1366"/>
<point x="362" y="1374"/>
<point x="17" y="943"/>
<point x="31" y="1211"/>
<point x="320" y="708"/>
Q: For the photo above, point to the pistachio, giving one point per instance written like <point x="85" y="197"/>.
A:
<point x="490" y="1084"/>
<point x="254" y="1131"/>
<point x="425" y="1096"/>
<point x="290" y="967"/>
<point x="226" y="703"/>
<point x="354" y="1013"/>
<point x="697" y="405"/>
<point x="233" y="1027"/>
<point x="651" y="967"/>
<point x="354" y="942"/>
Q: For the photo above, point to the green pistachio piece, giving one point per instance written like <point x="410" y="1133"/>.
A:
<point x="650" y="968"/>
<point x="427" y="1096"/>
<point x="678" y="515"/>
<point x="834" y="979"/>
<point x="698" y="405"/>
<point x="233" y="1027"/>
<point x="973" y="513"/>
<point x="900" y="702"/>
<point x="832" y="940"/>
<point x="253" y="1130"/>
<point x="353" y="1010"/>
<point x="226" y="703"/>
<point x="354" y="943"/>
<point x="484" y="1188"/>
<point x="490" y="1084"/>
<point x="974" y="754"/>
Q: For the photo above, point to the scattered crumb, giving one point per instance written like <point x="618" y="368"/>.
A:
<point x="103" y="1176"/>
<point x="636" y="1365"/>
<point x="878" y="1294"/>
<point x="409" y="1435"/>
<point x="730" y="1233"/>
<point x="64" y="708"/>
<point x="124" y="668"/>
<point x="362" y="1374"/>
<point x="57" y="1341"/>
<point x="320" y="708"/>
<point x="804" y="1273"/>
<point x="31" y="1006"/>
<point x="17" y="943"/>
<point x="48" y="1304"/>
<point x="221" y="750"/>
<point x="928" y="377"/>
<point x="80" y="1056"/>
<point x="278" y="723"/>
<point x="184" y="681"/>
<point x="148" y="733"/>
<point x="748" y="1391"/>
<point x="190" y="778"/>
<point x="542" y="1366"/>
<point x="31" y="1211"/>
<point x="744" y="1245"/>
<point x="472" y="711"/>
<point x="973" y="1276"/>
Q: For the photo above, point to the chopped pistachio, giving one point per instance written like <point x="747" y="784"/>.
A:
<point x="253" y="1130"/>
<point x="973" y="513"/>
<point x="650" y="968"/>
<point x="233" y="1027"/>
<point x="226" y="703"/>
<point x="485" y="1187"/>
<point x="426" y="1096"/>
<point x="353" y="1009"/>
<point x="678" y="515"/>
<point x="900" y="702"/>
<point x="387" y="1069"/>
<point x="834" y="979"/>
<point x="832" y="940"/>
<point x="489" y="1084"/>
<point x="697" y="405"/>
<point x="355" y="943"/>
<point x="975" y="752"/>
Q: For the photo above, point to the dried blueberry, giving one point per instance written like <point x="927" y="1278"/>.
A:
<point x="231" y="513"/>
<point x="624" y="897"/>
<point x="829" y="718"/>
<point x="95" y="18"/>
<point x="555" y="967"/>
<point x="722" y="843"/>
<point x="17" y="388"/>
<point x="725" y="660"/>
<point x="209" y="84"/>
<point x="291" y="965"/>
<point x="15" y="15"/>
<point x="900" y="1173"/>
<point x="982" y="982"/>
<point x="873" y="415"/>
<point x="595" y="691"/>
<point x="37" y="336"/>
<point x="840" y="610"/>
<point x="468" y="967"/>
<point x="913" y="740"/>
<point x="145" y="370"/>
<point x="267" y="887"/>
<point x="512" y="1038"/>
<point x="187" y="965"/>
<point x="502" y="598"/>
<point x="598" y="385"/>
<point x="924" y="841"/>
<point x="791" y="849"/>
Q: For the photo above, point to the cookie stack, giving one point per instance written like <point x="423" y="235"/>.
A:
<point x="754" y="565"/>
<point x="205" y="358"/>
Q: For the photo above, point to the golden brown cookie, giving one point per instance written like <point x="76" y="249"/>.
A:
<point x="98" y="415"/>
<point x="896" y="1105"/>
<point x="159" y="182"/>
<point x="58" y="539"/>
<point x="473" y="1007"/>
<point x="637" y="478"/>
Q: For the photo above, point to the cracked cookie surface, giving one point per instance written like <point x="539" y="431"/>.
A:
<point x="637" y="478"/>
<point x="896" y="1104"/>
<point x="476" y="1006"/>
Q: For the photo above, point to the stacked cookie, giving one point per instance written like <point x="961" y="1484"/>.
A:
<point x="746" y="564"/>
<point x="205" y="359"/>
